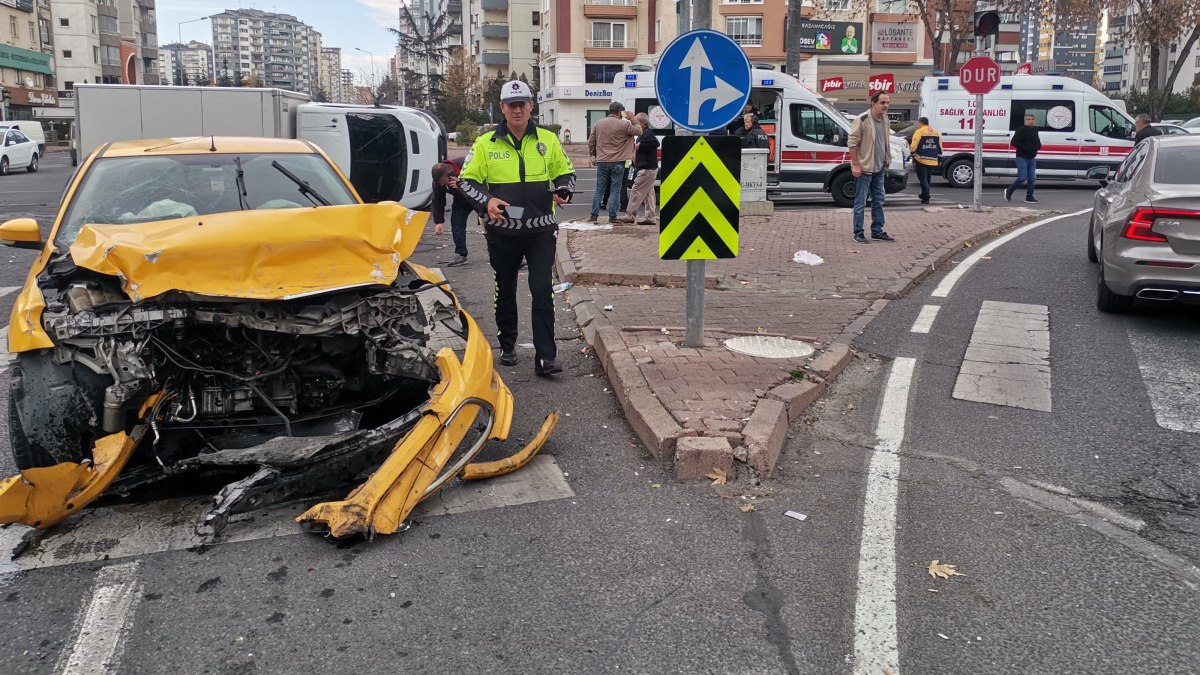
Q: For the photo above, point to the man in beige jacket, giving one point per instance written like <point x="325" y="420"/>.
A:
<point x="610" y="146"/>
<point x="870" y="155"/>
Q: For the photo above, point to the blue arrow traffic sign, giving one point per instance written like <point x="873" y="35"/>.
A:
<point x="703" y="80"/>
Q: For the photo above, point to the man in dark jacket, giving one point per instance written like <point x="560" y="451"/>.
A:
<point x="751" y="134"/>
<point x="1027" y="143"/>
<point x="645" y="162"/>
<point x="1144" y="130"/>
<point x="445" y="182"/>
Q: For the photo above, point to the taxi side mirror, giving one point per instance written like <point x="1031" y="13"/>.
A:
<point x="21" y="233"/>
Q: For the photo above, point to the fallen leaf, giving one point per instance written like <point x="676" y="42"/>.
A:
<point x="849" y="406"/>
<point x="645" y="287"/>
<point x="656" y="485"/>
<point x="718" y="476"/>
<point x="939" y="569"/>
<point x="746" y="508"/>
<point x="761" y="329"/>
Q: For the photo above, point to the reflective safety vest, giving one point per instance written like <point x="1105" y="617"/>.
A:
<point x="523" y="173"/>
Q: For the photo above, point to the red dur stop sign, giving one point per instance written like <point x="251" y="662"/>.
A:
<point x="979" y="75"/>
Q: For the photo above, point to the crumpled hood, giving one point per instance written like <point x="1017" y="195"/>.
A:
<point x="259" y="255"/>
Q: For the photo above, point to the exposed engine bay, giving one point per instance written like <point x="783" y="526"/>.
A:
<point x="235" y="373"/>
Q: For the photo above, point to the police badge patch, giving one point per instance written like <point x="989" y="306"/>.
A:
<point x="541" y="147"/>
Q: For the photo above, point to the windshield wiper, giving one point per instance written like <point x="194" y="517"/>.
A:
<point x="241" y="184"/>
<point x="305" y="189"/>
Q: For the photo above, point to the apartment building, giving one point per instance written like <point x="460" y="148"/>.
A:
<point x="105" y="41"/>
<point x="437" y="27"/>
<point x="278" y="50"/>
<point x="506" y="35"/>
<point x="329" y="74"/>
<point x="188" y="64"/>
<point x="26" y="59"/>
<point x="1126" y="62"/>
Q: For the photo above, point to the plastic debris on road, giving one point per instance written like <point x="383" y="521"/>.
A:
<point x="795" y="514"/>
<point x="807" y="258"/>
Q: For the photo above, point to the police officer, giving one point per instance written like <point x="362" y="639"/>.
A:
<point x="517" y="173"/>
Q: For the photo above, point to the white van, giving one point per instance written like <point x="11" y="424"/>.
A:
<point x="1079" y="127"/>
<point x="32" y="130"/>
<point x="808" y="135"/>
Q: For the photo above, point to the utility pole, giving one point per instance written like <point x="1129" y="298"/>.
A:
<point x="694" y="335"/>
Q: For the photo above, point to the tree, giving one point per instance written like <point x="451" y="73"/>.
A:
<point x="463" y="91"/>
<point x="1150" y="24"/>
<point x="224" y="80"/>
<point x="252" y="80"/>
<point x="424" y="40"/>
<point x="203" y="80"/>
<point x="320" y="95"/>
<point x="942" y="17"/>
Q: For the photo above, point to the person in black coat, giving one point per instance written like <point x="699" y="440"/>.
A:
<point x="445" y="182"/>
<point x="1144" y="129"/>
<point x="751" y="134"/>
<point x="1027" y="144"/>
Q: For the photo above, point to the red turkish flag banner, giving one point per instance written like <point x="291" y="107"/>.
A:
<point x="832" y="84"/>
<point x="885" y="82"/>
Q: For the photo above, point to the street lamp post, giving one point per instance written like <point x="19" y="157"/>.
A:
<point x="373" y="72"/>
<point x="178" y="56"/>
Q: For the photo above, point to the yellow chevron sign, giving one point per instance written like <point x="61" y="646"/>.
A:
<point x="700" y="193"/>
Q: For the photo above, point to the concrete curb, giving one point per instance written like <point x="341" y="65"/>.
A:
<point x="764" y="434"/>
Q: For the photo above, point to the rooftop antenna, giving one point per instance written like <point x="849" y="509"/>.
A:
<point x="212" y="144"/>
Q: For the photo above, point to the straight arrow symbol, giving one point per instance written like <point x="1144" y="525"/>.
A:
<point x="721" y="94"/>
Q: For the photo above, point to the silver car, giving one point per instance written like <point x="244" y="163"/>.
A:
<point x="1145" y="227"/>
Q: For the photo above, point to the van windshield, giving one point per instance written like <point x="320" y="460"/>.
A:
<point x="378" y="156"/>
<point x="123" y="190"/>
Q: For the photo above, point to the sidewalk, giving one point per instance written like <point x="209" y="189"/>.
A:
<point x="712" y="408"/>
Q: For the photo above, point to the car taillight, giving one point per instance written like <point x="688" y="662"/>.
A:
<point x="1139" y="224"/>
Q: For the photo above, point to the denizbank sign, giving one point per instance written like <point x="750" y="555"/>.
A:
<point x="24" y="59"/>
<point x="575" y="93"/>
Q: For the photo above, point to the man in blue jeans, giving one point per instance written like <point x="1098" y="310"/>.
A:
<point x="1027" y="144"/>
<point x="870" y="155"/>
<point x="610" y="146"/>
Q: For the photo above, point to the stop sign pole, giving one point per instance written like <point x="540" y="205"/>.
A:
<point x="979" y="75"/>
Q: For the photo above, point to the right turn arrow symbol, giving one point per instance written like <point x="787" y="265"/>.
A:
<point x="721" y="93"/>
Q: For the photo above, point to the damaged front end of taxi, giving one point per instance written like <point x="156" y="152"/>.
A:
<point x="296" y="364"/>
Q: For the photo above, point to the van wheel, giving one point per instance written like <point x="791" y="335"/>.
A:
<point x="842" y="189"/>
<point x="960" y="173"/>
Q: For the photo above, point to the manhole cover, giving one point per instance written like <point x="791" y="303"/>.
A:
<point x="769" y="347"/>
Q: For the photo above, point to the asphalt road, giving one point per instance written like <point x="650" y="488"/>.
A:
<point x="638" y="573"/>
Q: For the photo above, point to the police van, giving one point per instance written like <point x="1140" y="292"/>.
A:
<point x="808" y="136"/>
<point x="1079" y="127"/>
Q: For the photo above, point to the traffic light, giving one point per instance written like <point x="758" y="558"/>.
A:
<point x="987" y="23"/>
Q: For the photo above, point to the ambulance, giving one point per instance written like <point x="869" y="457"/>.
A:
<point x="808" y="135"/>
<point x="1080" y="128"/>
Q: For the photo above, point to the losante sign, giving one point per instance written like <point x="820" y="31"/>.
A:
<point x="979" y="75"/>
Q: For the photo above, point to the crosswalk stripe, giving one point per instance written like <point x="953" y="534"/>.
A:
<point x="1008" y="359"/>
<point x="129" y="530"/>
<point x="102" y="627"/>
<point x="1172" y="376"/>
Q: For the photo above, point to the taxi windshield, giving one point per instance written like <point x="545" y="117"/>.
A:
<point x="124" y="190"/>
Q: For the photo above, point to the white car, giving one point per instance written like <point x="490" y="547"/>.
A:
<point x="17" y="151"/>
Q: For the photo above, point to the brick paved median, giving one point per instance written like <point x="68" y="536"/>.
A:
<point x="631" y="307"/>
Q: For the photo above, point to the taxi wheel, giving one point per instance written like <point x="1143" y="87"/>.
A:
<point x="53" y="411"/>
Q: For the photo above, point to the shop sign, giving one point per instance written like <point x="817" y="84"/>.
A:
<point x="832" y="84"/>
<point x="830" y="37"/>
<point x="25" y="59"/>
<point x="893" y="38"/>
<point x="885" y="82"/>
<point x="575" y="92"/>
<point x="23" y="96"/>
<point x="882" y="82"/>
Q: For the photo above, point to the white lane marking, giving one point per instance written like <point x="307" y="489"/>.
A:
<point x="103" y="625"/>
<point x="1172" y="376"/>
<point x="925" y="319"/>
<point x="5" y="357"/>
<point x="1008" y="359"/>
<point x="5" y="290"/>
<point x="128" y="530"/>
<point x="876" y="646"/>
<point x="943" y="289"/>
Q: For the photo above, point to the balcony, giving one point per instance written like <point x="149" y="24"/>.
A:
<point x="610" y="50"/>
<point x="501" y="5"/>
<point x="492" y="29"/>
<point x="610" y="9"/>
<point x="494" y="57"/>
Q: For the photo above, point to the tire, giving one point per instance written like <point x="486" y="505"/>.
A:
<point x="74" y="157"/>
<point x="3" y="166"/>
<point x="33" y="164"/>
<point x="960" y="173"/>
<point x="1109" y="302"/>
<point x="842" y="189"/>
<point x="54" y="411"/>
<point x="1091" y="241"/>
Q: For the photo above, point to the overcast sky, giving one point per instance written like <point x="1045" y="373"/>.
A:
<point x="342" y="23"/>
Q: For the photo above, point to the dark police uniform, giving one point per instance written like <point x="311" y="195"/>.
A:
<point x="523" y="173"/>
